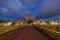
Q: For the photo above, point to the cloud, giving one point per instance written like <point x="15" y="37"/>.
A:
<point x="49" y="8"/>
<point x="3" y="10"/>
<point x="21" y="7"/>
<point x="40" y="8"/>
<point x="56" y="17"/>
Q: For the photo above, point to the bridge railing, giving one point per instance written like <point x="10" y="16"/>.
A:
<point x="51" y="32"/>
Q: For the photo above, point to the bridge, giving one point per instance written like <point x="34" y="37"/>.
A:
<point x="28" y="32"/>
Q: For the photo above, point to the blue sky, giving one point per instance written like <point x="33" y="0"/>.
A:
<point x="42" y="9"/>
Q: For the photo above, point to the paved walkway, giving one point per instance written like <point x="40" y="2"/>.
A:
<point x="27" y="33"/>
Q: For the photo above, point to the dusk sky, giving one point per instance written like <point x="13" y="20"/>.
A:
<point x="11" y="10"/>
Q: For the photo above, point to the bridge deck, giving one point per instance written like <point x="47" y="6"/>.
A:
<point x="26" y="33"/>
